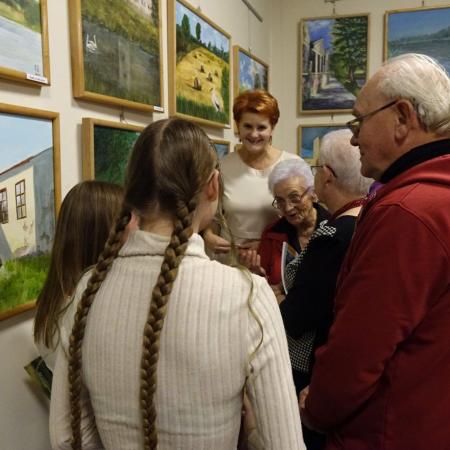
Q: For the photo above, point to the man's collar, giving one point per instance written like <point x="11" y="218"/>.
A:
<point x="416" y="156"/>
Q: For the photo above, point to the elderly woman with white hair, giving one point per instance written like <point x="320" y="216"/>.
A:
<point x="307" y="309"/>
<point x="291" y="183"/>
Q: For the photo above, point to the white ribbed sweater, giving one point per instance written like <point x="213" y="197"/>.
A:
<point x="205" y="345"/>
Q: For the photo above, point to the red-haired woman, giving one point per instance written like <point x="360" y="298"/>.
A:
<point x="247" y="201"/>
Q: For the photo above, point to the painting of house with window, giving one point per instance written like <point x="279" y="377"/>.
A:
<point x="27" y="207"/>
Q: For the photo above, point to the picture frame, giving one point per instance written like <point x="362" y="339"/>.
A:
<point x="114" y="63"/>
<point x="25" y="59"/>
<point x="30" y="198"/>
<point x="221" y="146"/>
<point x="330" y="76"/>
<point x="309" y="136"/>
<point x="199" y="67"/>
<point x="249" y="71"/>
<point x="402" y="35"/>
<point x="106" y="146"/>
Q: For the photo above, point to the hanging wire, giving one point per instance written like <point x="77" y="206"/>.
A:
<point x="423" y="3"/>
<point x="249" y="28"/>
<point x="122" y="116"/>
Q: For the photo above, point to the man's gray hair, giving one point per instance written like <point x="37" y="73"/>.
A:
<point x="344" y="159"/>
<point x="425" y="83"/>
<point x="290" y="168"/>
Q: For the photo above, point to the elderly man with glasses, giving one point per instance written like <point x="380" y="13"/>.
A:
<point x="382" y="379"/>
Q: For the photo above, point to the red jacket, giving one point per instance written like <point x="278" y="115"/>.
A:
<point x="272" y="239"/>
<point x="382" y="381"/>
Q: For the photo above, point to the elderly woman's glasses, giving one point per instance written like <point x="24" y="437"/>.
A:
<point x="293" y="199"/>
<point x="355" y="124"/>
<point x="314" y="169"/>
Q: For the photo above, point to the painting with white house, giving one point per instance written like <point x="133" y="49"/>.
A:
<point x="27" y="207"/>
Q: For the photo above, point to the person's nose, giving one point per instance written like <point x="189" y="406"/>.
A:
<point x="354" y="140"/>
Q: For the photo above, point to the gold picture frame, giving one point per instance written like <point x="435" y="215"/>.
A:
<point x="27" y="196"/>
<point x="199" y="70"/>
<point x="110" y="65"/>
<point x="31" y="38"/>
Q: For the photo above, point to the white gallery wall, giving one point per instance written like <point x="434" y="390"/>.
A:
<point x="23" y="409"/>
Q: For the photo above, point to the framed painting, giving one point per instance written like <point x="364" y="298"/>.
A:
<point x="250" y="72"/>
<point x="309" y="137"/>
<point x="222" y="147"/>
<point x="199" y="67"/>
<point x="333" y="55"/>
<point x="106" y="147"/>
<point x="116" y="52"/>
<point x="419" y="30"/>
<point x="30" y="196"/>
<point x="24" y="55"/>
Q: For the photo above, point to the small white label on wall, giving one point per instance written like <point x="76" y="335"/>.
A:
<point x="37" y="78"/>
<point x="158" y="108"/>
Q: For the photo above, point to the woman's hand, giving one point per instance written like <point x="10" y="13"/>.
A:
<point x="216" y="243"/>
<point x="279" y="292"/>
<point x="250" y="259"/>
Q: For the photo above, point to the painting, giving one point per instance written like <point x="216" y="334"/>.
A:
<point x="199" y="67"/>
<point x="23" y="33"/>
<point x="309" y="137"/>
<point x="29" y="199"/>
<point x="250" y="72"/>
<point x="222" y="147"/>
<point x="420" y="30"/>
<point x="116" y="52"/>
<point x="106" y="147"/>
<point x="333" y="55"/>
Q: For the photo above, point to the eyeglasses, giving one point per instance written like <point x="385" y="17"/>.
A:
<point x="293" y="199"/>
<point x="314" y="169"/>
<point x="355" y="124"/>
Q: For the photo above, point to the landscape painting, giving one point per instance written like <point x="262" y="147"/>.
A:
<point x="250" y="72"/>
<point x="309" y="137"/>
<point x="29" y="197"/>
<point x="106" y="148"/>
<point x="222" y="147"/>
<point x="23" y="34"/>
<point x="424" y="30"/>
<point x="333" y="62"/>
<point x="116" y="52"/>
<point x="199" y="67"/>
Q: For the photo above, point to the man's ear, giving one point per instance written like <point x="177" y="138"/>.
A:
<point x="212" y="187"/>
<point x="406" y="117"/>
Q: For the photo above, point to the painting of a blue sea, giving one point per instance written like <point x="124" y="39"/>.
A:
<point x="424" y="30"/>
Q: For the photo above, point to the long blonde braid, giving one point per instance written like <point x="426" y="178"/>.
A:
<point x="169" y="269"/>
<point x="101" y="269"/>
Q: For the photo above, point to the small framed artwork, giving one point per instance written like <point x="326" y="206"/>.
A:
<point x="250" y="72"/>
<point x="309" y="137"/>
<point x="418" y="30"/>
<point x="106" y="146"/>
<point x="222" y="147"/>
<point x="30" y="196"/>
<point x="333" y="55"/>
<point x="24" y="54"/>
<point x="116" y="52"/>
<point x="199" y="67"/>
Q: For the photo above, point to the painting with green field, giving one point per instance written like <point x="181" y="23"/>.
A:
<point x="121" y="42"/>
<point x="112" y="147"/>
<point x="23" y="43"/>
<point x="27" y="208"/>
<point x="201" y="50"/>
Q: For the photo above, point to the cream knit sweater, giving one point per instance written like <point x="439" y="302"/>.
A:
<point x="207" y="339"/>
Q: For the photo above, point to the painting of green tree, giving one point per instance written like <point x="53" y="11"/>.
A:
<point x="334" y="62"/>
<point x="112" y="147"/>
<point x="121" y="49"/>
<point x="202" y="67"/>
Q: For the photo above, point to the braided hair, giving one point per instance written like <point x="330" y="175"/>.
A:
<point x="170" y="164"/>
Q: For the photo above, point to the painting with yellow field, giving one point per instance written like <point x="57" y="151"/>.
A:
<point x="199" y="67"/>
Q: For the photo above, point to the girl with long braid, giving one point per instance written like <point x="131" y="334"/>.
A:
<point x="137" y="371"/>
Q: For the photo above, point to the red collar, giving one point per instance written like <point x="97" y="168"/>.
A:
<point x="348" y="206"/>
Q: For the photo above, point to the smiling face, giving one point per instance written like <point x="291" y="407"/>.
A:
<point x="376" y="138"/>
<point x="255" y="131"/>
<point x="295" y="206"/>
